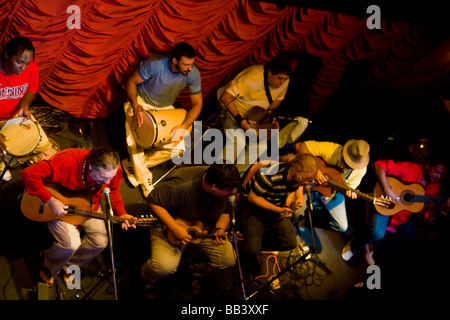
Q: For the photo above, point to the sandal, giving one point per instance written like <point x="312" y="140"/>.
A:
<point x="46" y="277"/>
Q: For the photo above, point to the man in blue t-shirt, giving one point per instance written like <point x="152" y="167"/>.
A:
<point x="156" y="84"/>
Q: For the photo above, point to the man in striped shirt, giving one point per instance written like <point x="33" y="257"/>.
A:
<point x="263" y="203"/>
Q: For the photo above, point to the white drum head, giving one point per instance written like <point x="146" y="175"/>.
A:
<point x="20" y="137"/>
<point x="146" y="134"/>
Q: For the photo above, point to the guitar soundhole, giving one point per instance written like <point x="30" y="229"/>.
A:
<point x="193" y="233"/>
<point x="408" y="197"/>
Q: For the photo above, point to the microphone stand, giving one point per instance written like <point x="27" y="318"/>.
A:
<point x="235" y="242"/>
<point x="305" y="256"/>
<point x="309" y="209"/>
<point x="110" y="238"/>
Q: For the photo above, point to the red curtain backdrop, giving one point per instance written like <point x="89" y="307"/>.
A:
<point x="82" y="71"/>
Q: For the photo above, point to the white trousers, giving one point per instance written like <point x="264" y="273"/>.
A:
<point x="71" y="249"/>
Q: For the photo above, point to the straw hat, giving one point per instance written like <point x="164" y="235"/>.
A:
<point x="356" y="154"/>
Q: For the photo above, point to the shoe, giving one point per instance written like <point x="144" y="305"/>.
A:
<point x="7" y="176"/>
<point x="66" y="277"/>
<point x="391" y="229"/>
<point x="147" y="187"/>
<point x="368" y="255"/>
<point x="347" y="253"/>
<point x="45" y="275"/>
<point x="129" y="170"/>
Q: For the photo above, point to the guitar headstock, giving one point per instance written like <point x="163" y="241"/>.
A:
<point x="384" y="202"/>
<point x="239" y="236"/>
<point x="146" y="220"/>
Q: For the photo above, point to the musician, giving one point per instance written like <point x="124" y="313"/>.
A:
<point x="350" y="160"/>
<point x="263" y="204"/>
<point x="19" y="80"/>
<point x="429" y="175"/>
<point x="156" y="83"/>
<point x="246" y="91"/>
<point x="76" y="170"/>
<point x="198" y="193"/>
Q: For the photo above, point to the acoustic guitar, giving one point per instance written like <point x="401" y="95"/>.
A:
<point x="196" y="231"/>
<point x="412" y="197"/>
<point x="334" y="182"/>
<point x="260" y="118"/>
<point x="79" y="209"/>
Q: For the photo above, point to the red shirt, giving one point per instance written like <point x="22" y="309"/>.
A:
<point x="408" y="172"/>
<point x="66" y="168"/>
<point x="13" y="87"/>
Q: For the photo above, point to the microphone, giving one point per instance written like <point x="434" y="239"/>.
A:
<point x="232" y="200"/>
<point x="106" y="192"/>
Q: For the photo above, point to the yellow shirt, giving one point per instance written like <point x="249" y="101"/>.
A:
<point x="249" y="84"/>
<point x="331" y="153"/>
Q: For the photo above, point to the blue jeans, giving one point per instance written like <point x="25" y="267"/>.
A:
<point x="335" y="206"/>
<point x="372" y="232"/>
<point x="375" y="230"/>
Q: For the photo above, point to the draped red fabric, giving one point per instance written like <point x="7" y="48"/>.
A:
<point x="82" y="71"/>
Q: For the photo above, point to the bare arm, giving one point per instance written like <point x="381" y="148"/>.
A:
<point x="131" y="87"/>
<point x="382" y="179"/>
<point x="193" y="112"/>
<point x="258" y="201"/>
<point x="25" y="104"/>
<point x="178" y="231"/>
<point x="226" y="100"/>
<point x="221" y="227"/>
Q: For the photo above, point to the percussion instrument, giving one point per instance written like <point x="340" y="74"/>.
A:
<point x="19" y="137"/>
<point x="157" y="126"/>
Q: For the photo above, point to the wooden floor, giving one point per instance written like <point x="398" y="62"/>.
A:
<point x="324" y="275"/>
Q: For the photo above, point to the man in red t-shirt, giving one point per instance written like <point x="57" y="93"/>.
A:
<point x="428" y="175"/>
<point x="19" y="80"/>
<point x="77" y="170"/>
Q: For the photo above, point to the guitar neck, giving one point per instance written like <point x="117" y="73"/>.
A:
<point x="198" y="235"/>
<point x="432" y="199"/>
<point x="344" y="188"/>
<point x="101" y="216"/>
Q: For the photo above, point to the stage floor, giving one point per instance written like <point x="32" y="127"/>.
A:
<point x="324" y="276"/>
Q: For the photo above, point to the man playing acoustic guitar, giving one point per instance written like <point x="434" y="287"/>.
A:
<point x="260" y="87"/>
<point x="349" y="161"/>
<point x="76" y="170"/>
<point x="388" y="172"/>
<point x="198" y="193"/>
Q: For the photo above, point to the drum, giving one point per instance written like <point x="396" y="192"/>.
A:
<point x="19" y="137"/>
<point x="157" y="126"/>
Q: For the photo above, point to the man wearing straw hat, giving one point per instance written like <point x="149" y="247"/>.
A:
<point x="351" y="161"/>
